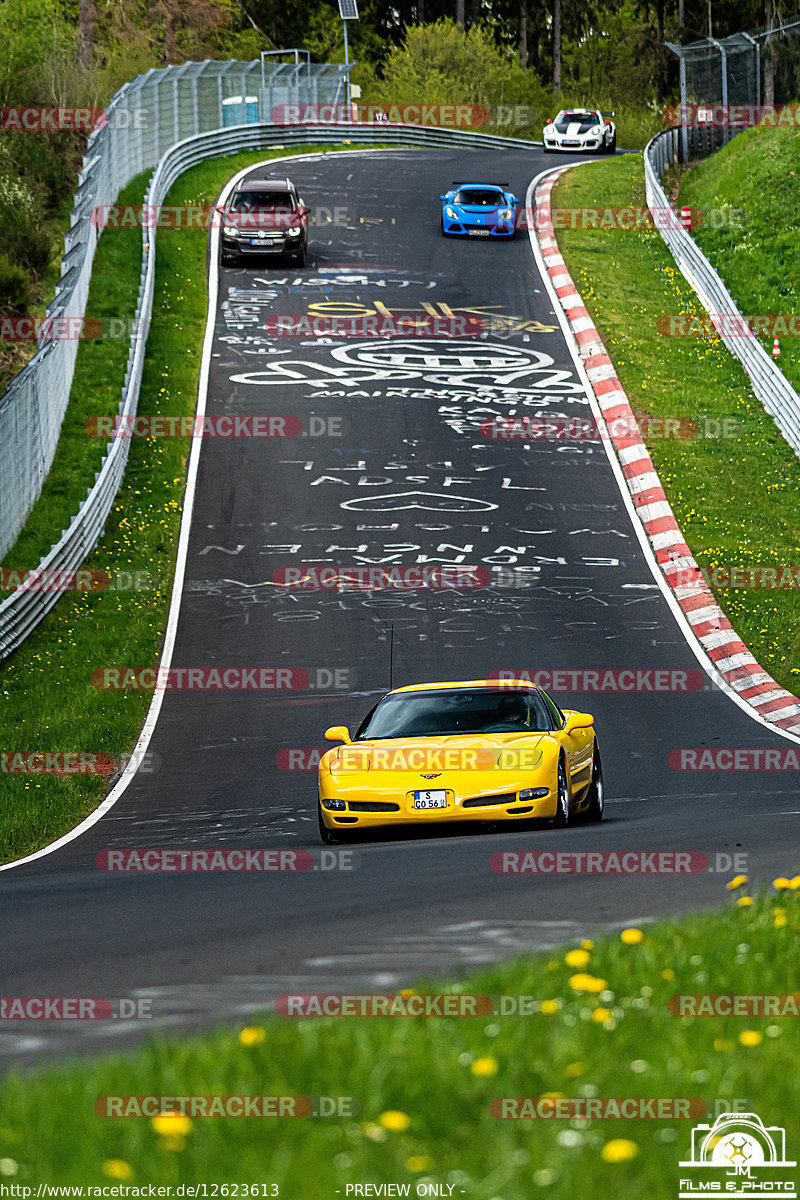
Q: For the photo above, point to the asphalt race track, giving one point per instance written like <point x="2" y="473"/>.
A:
<point x="400" y="473"/>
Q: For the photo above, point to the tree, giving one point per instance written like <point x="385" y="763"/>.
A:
<point x="768" y="53"/>
<point x="556" y="45"/>
<point x="87" y="18"/>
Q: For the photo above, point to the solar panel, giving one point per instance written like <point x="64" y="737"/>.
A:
<point x="348" y="10"/>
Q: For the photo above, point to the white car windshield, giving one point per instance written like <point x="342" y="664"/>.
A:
<point x="584" y="120"/>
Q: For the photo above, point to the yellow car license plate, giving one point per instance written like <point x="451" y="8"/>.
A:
<point x="430" y="799"/>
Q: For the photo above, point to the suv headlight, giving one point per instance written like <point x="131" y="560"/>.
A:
<point x="230" y="230"/>
<point x="295" y="231"/>
<point x="452" y="214"/>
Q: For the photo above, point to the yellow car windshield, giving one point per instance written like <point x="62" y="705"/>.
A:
<point x="456" y="711"/>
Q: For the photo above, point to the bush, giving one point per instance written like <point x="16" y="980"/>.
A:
<point x="14" y="288"/>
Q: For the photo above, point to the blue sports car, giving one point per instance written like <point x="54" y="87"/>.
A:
<point x="479" y="210"/>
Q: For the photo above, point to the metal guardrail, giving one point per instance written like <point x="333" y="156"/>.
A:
<point x="701" y="142"/>
<point x="22" y="611"/>
<point x="769" y="384"/>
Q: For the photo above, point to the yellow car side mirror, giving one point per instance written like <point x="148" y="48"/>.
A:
<point x="577" y="720"/>
<point x="338" y="733"/>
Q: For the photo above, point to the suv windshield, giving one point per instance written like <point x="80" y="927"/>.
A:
<point x="460" y="710"/>
<point x="247" y="201"/>
<point x="483" y="197"/>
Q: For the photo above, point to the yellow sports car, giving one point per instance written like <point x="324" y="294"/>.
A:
<point x="485" y="750"/>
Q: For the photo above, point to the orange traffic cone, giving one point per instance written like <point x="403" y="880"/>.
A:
<point x="776" y="349"/>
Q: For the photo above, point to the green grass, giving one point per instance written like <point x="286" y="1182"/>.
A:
<point x="736" y="501"/>
<point x="47" y="701"/>
<point x="424" y="1085"/>
<point x="758" y="172"/>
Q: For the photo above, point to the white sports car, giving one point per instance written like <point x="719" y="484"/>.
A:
<point x="576" y="129"/>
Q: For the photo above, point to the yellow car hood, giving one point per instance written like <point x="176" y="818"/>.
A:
<point x="405" y="761"/>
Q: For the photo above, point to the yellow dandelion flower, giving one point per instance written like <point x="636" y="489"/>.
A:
<point x="668" y="973"/>
<point x="394" y="1120"/>
<point x="750" y="1037"/>
<point x="780" y="920"/>
<point x="483" y="1066"/>
<point x="550" y="1006"/>
<point x="576" y="958"/>
<point x="744" y="901"/>
<point x="117" y="1168"/>
<point x="418" y="1162"/>
<point x="601" y="1014"/>
<point x="781" y="883"/>
<point x="573" y="1070"/>
<point x="587" y="944"/>
<point x="619" y="1150"/>
<point x="587" y="983"/>
<point x="252" y="1035"/>
<point x="171" y="1124"/>
<point x="737" y="882"/>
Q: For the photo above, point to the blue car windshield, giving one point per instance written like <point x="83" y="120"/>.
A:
<point x="480" y="197"/>
<point x="460" y="710"/>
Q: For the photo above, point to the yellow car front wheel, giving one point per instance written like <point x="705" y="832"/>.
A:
<point x="561" y="819"/>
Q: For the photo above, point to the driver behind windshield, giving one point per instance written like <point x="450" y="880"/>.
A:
<point x="513" y="710"/>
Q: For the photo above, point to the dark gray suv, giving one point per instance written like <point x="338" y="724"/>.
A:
<point x="264" y="218"/>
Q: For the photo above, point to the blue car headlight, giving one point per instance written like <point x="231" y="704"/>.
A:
<point x="505" y="214"/>
<point x="451" y="213"/>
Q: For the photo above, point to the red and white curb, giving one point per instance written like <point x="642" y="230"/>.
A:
<point x="708" y="623"/>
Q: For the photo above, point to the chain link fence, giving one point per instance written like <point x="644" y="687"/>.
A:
<point x="719" y="79"/>
<point x="728" y="84"/>
<point x="144" y="118"/>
